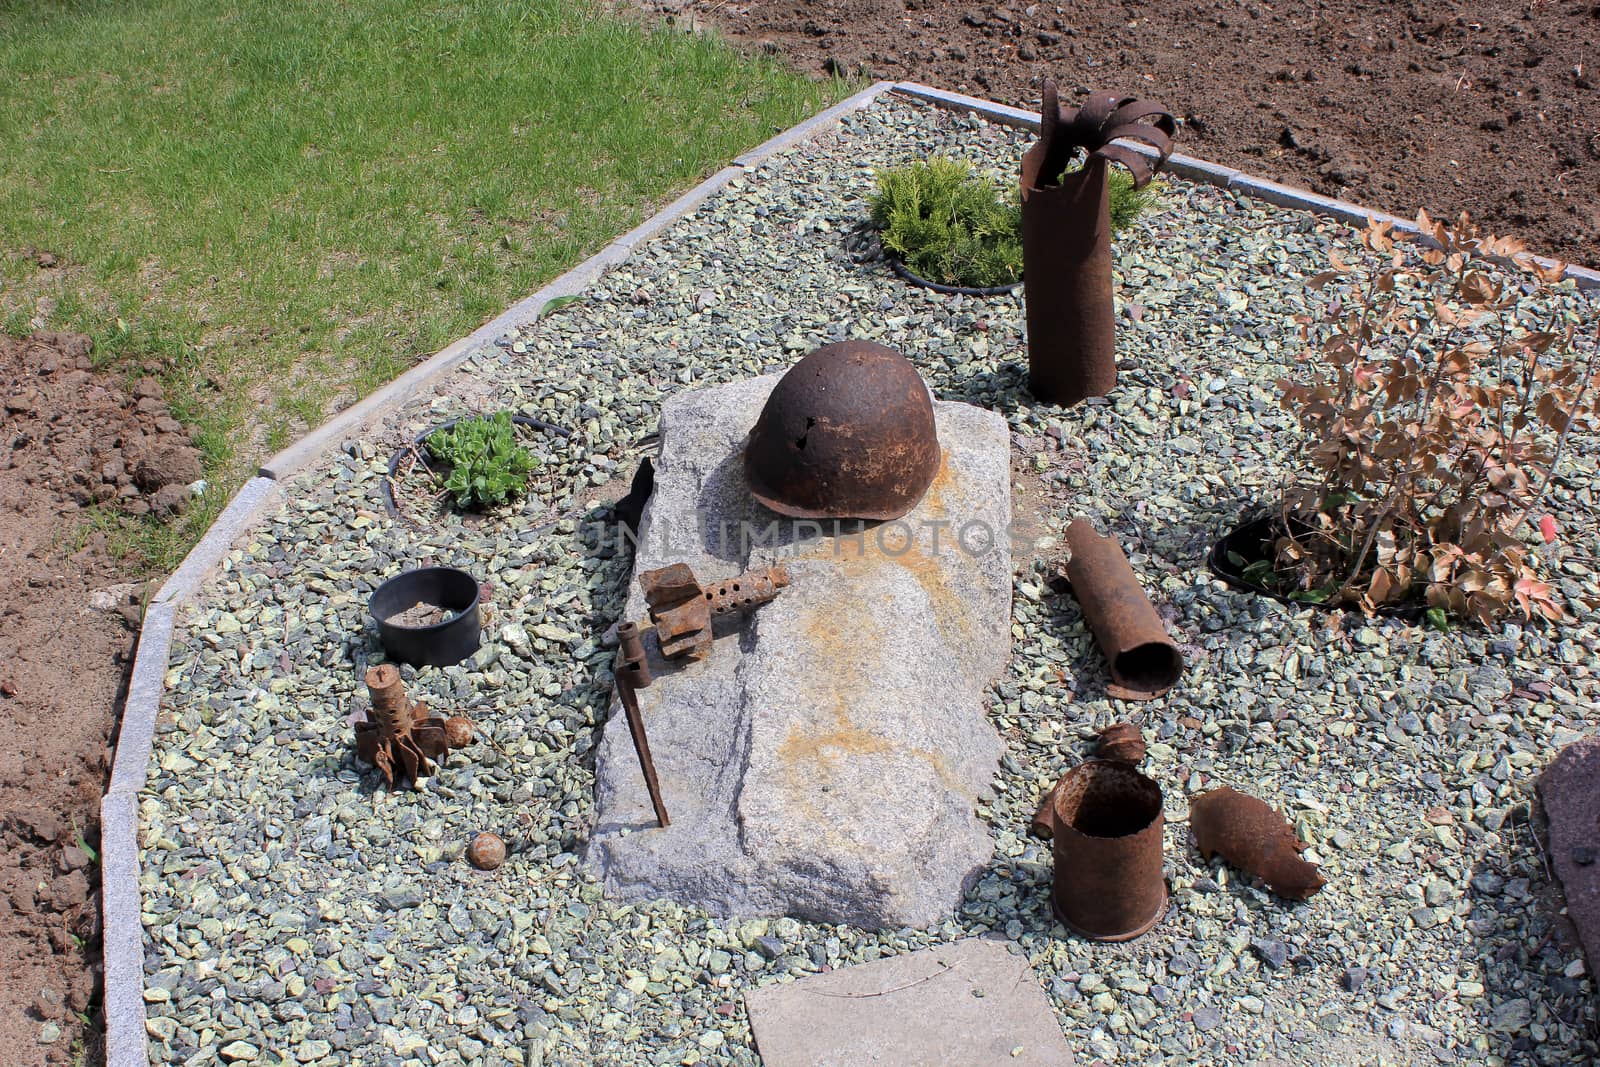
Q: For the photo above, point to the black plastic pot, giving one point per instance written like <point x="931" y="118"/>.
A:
<point x="443" y="643"/>
<point x="966" y="290"/>
<point x="1253" y="540"/>
<point x="420" y="444"/>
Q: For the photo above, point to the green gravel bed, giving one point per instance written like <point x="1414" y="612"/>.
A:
<point x="295" y="909"/>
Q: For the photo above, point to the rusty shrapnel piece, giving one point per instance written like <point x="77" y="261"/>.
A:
<point x="682" y="609"/>
<point x="1144" y="661"/>
<point x="848" y="433"/>
<point x="1121" y="743"/>
<point x="1105" y="822"/>
<point x="1066" y="237"/>
<point x="1247" y="833"/>
<point x="399" y="738"/>
<point x="633" y="673"/>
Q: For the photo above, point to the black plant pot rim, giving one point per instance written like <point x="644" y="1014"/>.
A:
<point x="965" y="290"/>
<point x="442" y="643"/>
<point x="1260" y="526"/>
<point x="421" y="440"/>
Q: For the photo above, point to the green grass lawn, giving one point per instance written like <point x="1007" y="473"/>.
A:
<point x="278" y="205"/>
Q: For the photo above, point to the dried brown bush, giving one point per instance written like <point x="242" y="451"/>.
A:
<point x="1437" y="396"/>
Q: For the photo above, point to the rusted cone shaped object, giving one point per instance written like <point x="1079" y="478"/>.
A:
<point x="1105" y="823"/>
<point x="1066" y="237"/>
<point x="1144" y="661"/>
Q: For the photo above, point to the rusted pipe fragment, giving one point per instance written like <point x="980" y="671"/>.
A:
<point x="400" y="737"/>
<point x="631" y="657"/>
<point x="1105" y="823"/>
<point x="1121" y="743"/>
<point x="1066" y="237"/>
<point x="682" y="609"/>
<point x="1248" y="834"/>
<point x="1145" y="662"/>
<point x="749" y="590"/>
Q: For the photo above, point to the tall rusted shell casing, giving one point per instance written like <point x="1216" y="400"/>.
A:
<point x="847" y="433"/>
<point x="1066" y="274"/>
<point x="1066" y="237"/>
<point x="1105" y="823"/>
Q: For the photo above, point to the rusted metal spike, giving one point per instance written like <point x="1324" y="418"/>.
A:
<point x="641" y="743"/>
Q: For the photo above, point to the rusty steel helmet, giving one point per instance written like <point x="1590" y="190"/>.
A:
<point x="847" y="433"/>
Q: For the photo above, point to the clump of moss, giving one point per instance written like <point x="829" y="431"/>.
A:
<point x="950" y="225"/>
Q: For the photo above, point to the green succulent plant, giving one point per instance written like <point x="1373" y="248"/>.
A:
<point x="487" y="466"/>
<point x="951" y="225"/>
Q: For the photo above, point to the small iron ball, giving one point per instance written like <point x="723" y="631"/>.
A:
<point x="458" y="731"/>
<point x="487" y="851"/>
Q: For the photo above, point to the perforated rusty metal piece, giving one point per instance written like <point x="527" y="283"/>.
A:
<point x="399" y="738"/>
<point x="682" y="609"/>
<point x="848" y="433"/>
<point x="1066" y="237"/>
<point x="1246" y="832"/>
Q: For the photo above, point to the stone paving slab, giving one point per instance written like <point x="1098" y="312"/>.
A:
<point x="966" y="1004"/>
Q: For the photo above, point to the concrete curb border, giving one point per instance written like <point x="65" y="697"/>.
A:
<point x="1200" y="170"/>
<point x="123" y="950"/>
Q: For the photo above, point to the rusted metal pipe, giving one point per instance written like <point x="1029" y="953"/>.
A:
<point x="681" y="608"/>
<point x="1066" y="237"/>
<point x="1105" y="822"/>
<point x="631" y="656"/>
<point x="1144" y="661"/>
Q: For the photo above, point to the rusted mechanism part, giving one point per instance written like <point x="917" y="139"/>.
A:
<point x="1121" y="743"/>
<point x="1144" y="661"/>
<point x="1248" y="834"/>
<point x="848" y="433"/>
<point x="633" y="673"/>
<point x="682" y="608"/>
<point x="1105" y="823"/>
<point x="400" y="738"/>
<point x="1066" y="237"/>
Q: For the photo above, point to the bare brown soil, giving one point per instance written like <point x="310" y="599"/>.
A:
<point x="1487" y="106"/>
<point x="70" y="438"/>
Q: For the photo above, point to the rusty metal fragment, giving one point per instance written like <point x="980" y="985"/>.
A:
<point x="1066" y="237"/>
<point x="486" y="851"/>
<point x="1105" y="822"/>
<point x="682" y="609"/>
<point x="458" y="731"/>
<point x="1144" y="661"/>
<point x="633" y="673"/>
<point x="1247" y="833"/>
<point x="400" y="738"/>
<point x="1121" y="743"/>
<point x="848" y="433"/>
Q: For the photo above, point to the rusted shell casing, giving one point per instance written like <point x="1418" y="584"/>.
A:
<point x="1249" y="834"/>
<point x="1144" y="661"/>
<point x="1122" y="742"/>
<point x="1066" y="237"/>
<point x="847" y="433"/>
<point x="1105" y="823"/>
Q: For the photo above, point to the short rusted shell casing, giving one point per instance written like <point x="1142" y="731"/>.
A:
<point x="1105" y="822"/>
<point x="1144" y="661"/>
<point x="1122" y="742"/>
<point x="847" y="433"/>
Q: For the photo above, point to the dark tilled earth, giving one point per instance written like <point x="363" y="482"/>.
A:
<point x="1482" y="106"/>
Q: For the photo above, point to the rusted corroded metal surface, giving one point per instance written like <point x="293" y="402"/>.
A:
<point x="633" y="673"/>
<point x="1122" y="743"/>
<point x="682" y="609"/>
<point x="848" y="433"/>
<point x="400" y="738"/>
<point x="1105" y="823"/>
<point x="458" y="731"/>
<point x="1144" y="661"/>
<point x="486" y="851"/>
<point x="1569" y="791"/>
<point x="1246" y="832"/>
<point x="1066" y="237"/>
